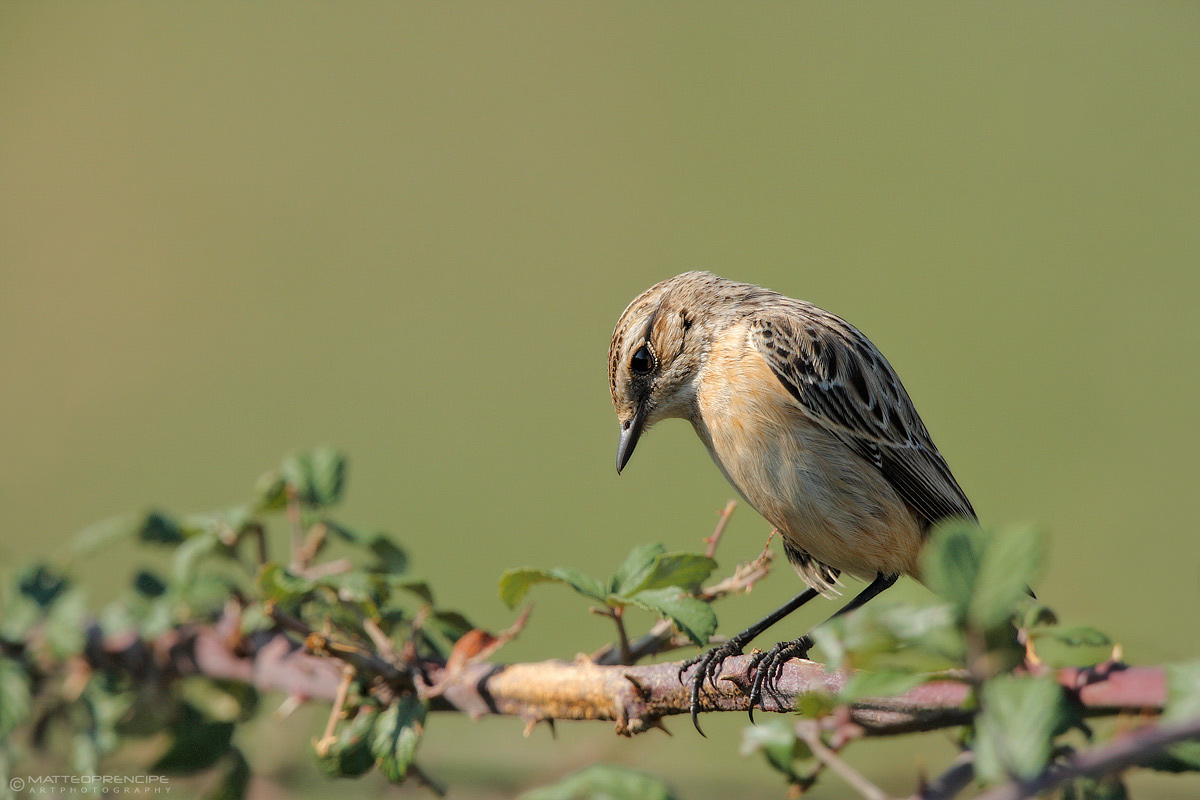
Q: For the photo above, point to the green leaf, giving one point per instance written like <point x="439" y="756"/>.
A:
<point x="450" y="624"/>
<point x="158" y="528"/>
<point x="1011" y="562"/>
<point x="908" y="637"/>
<point x="694" y="618"/>
<point x="147" y="584"/>
<point x="1074" y="636"/>
<point x="42" y="584"/>
<point x="198" y="743"/>
<point x="1110" y="787"/>
<point x="280" y="585"/>
<point x="189" y="554"/>
<point x="396" y="736"/>
<point x="951" y="561"/>
<point x="219" y="701"/>
<point x="102" y="534"/>
<point x="15" y="697"/>
<point x="685" y="570"/>
<point x="391" y="558"/>
<point x="1015" y="728"/>
<point x="1036" y="615"/>
<point x="236" y="780"/>
<point x="270" y="492"/>
<point x="886" y="683"/>
<point x="1183" y="703"/>
<point x="350" y="756"/>
<point x="419" y="588"/>
<point x="778" y="742"/>
<point x="318" y="476"/>
<point x="66" y="624"/>
<point x="516" y="582"/>
<point x="605" y="782"/>
<point x="638" y="565"/>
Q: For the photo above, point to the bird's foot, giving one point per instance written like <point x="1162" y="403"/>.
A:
<point x="768" y="666"/>
<point x="707" y="665"/>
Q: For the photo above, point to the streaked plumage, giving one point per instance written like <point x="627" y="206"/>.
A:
<point x="805" y="418"/>
<point x="803" y="415"/>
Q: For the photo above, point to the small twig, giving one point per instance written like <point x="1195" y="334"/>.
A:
<point x="435" y="786"/>
<point x="297" y="526"/>
<point x="360" y="659"/>
<point x="260" y="537"/>
<point x="380" y="639"/>
<point x="957" y="777"/>
<point x="722" y="521"/>
<point x="662" y="638"/>
<point x="617" y="616"/>
<point x="1107" y="759"/>
<point x="335" y="713"/>
<point x="811" y="734"/>
<point x="338" y="566"/>
<point x="312" y="545"/>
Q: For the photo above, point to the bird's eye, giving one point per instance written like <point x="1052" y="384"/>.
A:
<point x="642" y="361"/>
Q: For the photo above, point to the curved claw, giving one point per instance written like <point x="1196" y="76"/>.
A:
<point x="707" y="665"/>
<point x="768" y="667"/>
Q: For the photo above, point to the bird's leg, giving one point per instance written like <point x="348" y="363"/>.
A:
<point x="768" y="666"/>
<point x="709" y="662"/>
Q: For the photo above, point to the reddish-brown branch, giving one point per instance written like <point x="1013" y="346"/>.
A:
<point x="636" y="698"/>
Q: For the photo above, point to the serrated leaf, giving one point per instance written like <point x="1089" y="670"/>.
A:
<point x="66" y="624"/>
<point x="1074" y="636"/>
<point x="694" y="618"/>
<point x="685" y="570"/>
<point x="390" y="557"/>
<point x="350" y="756"/>
<point x="396" y="736"/>
<point x="42" y="584"/>
<point x="605" y="782"/>
<point x="317" y="476"/>
<point x="1011" y="561"/>
<point x="905" y="636"/>
<point x="415" y="587"/>
<point x="149" y="585"/>
<point x="1015" y="728"/>
<point x="104" y="533"/>
<point x="189" y="554"/>
<point x="219" y="701"/>
<point x="951" y="561"/>
<point x="159" y="528"/>
<point x="198" y="743"/>
<point x="450" y="624"/>
<point x="636" y="567"/>
<point x="15" y="697"/>
<point x="778" y="742"/>
<point x="280" y="585"/>
<point x="1037" y="615"/>
<point x="235" y="782"/>
<point x="516" y="582"/>
<point x="1183" y="703"/>
<point x="270" y="492"/>
<point x="1110" y="787"/>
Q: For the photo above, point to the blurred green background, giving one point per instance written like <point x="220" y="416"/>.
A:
<point x="230" y="230"/>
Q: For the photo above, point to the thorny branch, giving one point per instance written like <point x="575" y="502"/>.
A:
<point x="636" y="698"/>
<point x="310" y="665"/>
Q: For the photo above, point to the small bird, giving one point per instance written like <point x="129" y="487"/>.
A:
<point x="808" y="422"/>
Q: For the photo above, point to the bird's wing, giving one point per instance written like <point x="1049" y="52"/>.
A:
<point x="845" y="385"/>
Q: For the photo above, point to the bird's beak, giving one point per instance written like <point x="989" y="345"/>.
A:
<point x="631" y="431"/>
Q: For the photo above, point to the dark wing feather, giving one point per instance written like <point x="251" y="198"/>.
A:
<point x="848" y="387"/>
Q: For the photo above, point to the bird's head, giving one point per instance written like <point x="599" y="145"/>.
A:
<point x="657" y="350"/>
